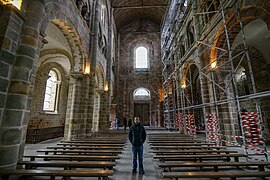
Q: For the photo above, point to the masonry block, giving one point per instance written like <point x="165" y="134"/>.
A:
<point x="9" y="155"/>
<point x="16" y="101"/>
<point x="25" y="118"/>
<point x="12" y="118"/>
<point x="19" y="87"/>
<point x="12" y="34"/>
<point x="24" y="61"/>
<point x="27" y="50"/>
<point x="6" y="56"/>
<point x="3" y="85"/>
<point x="10" y="136"/>
<point x="3" y="100"/>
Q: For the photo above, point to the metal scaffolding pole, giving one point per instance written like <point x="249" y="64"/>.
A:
<point x="224" y="56"/>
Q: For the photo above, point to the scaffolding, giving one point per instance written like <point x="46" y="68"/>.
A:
<point x="225" y="61"/>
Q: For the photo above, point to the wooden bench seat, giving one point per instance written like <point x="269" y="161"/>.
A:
<point x="73" y="157"/>
<point x="199" y="157"/>
<point x="203" y="151"/>
<point x="101" y="174"/>
<point x="86" y="147"/>
<point x="85" y="144"/>
<point x="78" y="151"/>
<point x="95" y="142"/>
<point x="231" y="174"/>
<point x="182" y="144"/>
<point x="215" y="165"/>
<point x="188" y="147"/>
<point x="175" y="141"/>
<point x="68" y="164"/>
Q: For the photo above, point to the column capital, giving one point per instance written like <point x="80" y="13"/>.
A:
<point x="101" y="92"/>
<point x="77" y="75"/>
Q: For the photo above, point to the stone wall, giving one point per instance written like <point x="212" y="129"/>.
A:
<point x="128" y="79"/>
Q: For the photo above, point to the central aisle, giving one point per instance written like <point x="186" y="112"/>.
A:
<point x="123" y="169"/>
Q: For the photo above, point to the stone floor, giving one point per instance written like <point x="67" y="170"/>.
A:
<point x="124" y="164"/>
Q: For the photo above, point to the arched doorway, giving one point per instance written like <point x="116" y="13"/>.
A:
<point x="141" y="97"/>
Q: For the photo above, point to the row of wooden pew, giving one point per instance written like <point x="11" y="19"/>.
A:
<point x="78" y="158"/>
<point x="183" y="156"/>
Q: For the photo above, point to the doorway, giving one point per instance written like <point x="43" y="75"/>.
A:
<point x="142" y="111"/>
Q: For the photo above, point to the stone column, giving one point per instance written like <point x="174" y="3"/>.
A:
<point x="75" y="124"/>
<point x="11" y="22"/>
<point x="229" y="124"/>
<point x="15" y="103"/>
<point x="104" y="113"/>
<point x="90" y="105"/>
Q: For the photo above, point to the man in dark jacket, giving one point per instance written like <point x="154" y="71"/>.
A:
<point x="137" y="136"/>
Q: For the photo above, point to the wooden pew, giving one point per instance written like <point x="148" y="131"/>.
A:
<point x="178" y="152"/>
<point x="168" y="134"/>
<point x="199" y="157"/>
<point x="68" y="164"/>
<point x="84" y="152"/>
<point x="174" y="141"/>
<point x="101" y="174"/>
<point x="72" y="157"/>
<point x="86" y="147"/>
<point x="169" y="138"/>
<point x="84" y="144"/>
<point x="183" y="144"/>
<point x="97" y="141"/>
<point x="230" y="174"/>
<point x="188" y="147"/>
<point x="215" y="165"/>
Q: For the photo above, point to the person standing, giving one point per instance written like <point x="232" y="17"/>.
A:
<point x="125" y="123"/>
<point x="137" y="137"/>
<point x="116" y="123"/>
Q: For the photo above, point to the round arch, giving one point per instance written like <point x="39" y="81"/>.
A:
<point x="141" y="94"/>
<point x="247" y="15"/>
<point x="60" y="18"/>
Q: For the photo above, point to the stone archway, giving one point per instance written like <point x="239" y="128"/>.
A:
<point x="142" y="105"/>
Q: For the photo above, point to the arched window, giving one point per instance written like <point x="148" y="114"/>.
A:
<point x="103" y="12"/>
<point x="141" y="58"/>
<point x="52" y="91"/>
<point x="241" y="81"/>
<point x="186" y="3"/>
<point x="141" y="94"/>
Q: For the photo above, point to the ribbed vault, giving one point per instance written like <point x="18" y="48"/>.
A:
<point x="126" y="11"/>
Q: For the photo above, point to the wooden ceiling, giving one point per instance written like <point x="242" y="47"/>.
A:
<point x="126" y="11"/>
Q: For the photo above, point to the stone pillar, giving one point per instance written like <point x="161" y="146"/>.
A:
<point x="11" y="23"/>
<point x="90" y="105"/>
<point x="75" y="124"/>
<point x="16" y="99"/>
<point x="104" y="113"/>
<point x="229" y="125"/>
<point x="93" y="61"/>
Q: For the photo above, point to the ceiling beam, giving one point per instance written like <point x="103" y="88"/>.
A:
<point x="140" y="7"/>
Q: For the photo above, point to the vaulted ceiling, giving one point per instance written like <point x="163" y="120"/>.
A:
<point x="126" y="11"/>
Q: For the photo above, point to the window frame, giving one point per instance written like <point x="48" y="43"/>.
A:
<point x="141" y="97"/>
<point x="103" y="13"/>
<point x="147" y="58"/>
<point x="56" y="95"/>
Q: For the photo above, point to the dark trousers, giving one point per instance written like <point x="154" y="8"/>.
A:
<point x="137" y="154"/>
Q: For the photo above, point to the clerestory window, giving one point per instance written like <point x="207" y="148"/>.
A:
<point x="141" y="58"/>
<point x="103" y="12"/>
